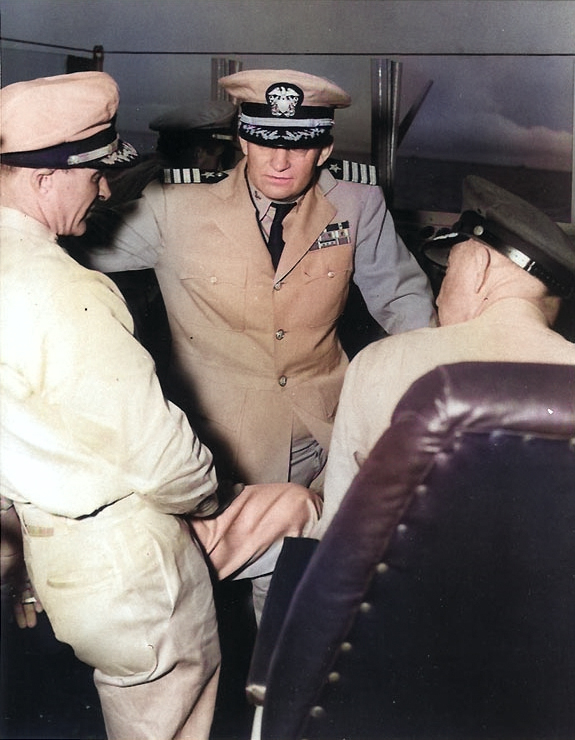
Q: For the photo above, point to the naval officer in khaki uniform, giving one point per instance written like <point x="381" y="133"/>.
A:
<point x="256" y="360"/>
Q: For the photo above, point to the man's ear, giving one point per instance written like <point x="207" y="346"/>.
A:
<point x="244" y="145"/>
<point x="481" y="263"/>
<point x="324" y="154"/>
<point x="42" y="180"/>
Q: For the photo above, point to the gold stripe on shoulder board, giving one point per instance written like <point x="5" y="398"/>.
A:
<point x="344" y="169"/>
<point x="188" y="175"/>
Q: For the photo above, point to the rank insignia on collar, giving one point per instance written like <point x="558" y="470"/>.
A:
<point x="187" y="175"/>
<point x="332" y="236"/>
<point x="344" y="169"/>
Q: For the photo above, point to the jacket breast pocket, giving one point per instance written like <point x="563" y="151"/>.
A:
<point x="217" y="293"/>
<point x="326" y="274"/>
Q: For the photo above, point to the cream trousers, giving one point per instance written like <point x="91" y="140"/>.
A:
<point x="130" y="591"/>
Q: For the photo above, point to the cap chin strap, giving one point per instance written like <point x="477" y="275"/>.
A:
<point x="287" y="122"/>
<point x="69" y="153"/>
<point x="474" y="226"/>
<point x="103" y="151"/>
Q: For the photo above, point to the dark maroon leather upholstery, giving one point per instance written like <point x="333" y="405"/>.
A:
<point x="441" y="602"/>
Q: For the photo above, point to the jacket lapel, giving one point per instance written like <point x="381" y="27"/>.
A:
<point x="302" y="227"/>
<point x="239" y="223"/>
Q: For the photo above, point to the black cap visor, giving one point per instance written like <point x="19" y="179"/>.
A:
<point x="104" y="150"/>
<point x="438" y="248"/>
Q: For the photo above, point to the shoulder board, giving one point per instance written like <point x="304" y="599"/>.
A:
<point x="343" y="169"/>
<point x="186" y="175"/>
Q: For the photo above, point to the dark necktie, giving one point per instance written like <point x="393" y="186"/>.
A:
<point x="276" y="241"/>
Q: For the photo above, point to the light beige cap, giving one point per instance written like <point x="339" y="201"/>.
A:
<point x="252" y="85"/>
<point x="284" y="107"/>
<point x="62" y="121"/>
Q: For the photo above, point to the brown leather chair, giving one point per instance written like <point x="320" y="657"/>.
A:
<point x="441" y="601"/>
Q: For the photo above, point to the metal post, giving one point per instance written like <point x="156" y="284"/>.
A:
<point x="385" y="96"/>
<point x="573" y="156"/>
<point x="98" y="58"/>
<point x="222" y="67"/>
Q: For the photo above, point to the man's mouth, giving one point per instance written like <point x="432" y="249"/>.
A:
<point x="279" y="178"/>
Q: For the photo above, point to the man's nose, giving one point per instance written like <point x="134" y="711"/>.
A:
<point x="104" y="191"/>
<point x="280" y="159"/>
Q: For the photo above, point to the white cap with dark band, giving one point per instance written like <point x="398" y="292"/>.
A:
<point x="63" y="122"/>
<point x="285" y="108"/>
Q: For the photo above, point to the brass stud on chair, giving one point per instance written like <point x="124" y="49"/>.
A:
<point x="317" y="712"/>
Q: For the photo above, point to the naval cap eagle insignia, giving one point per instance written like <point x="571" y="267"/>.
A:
<point x="283" y="99"/>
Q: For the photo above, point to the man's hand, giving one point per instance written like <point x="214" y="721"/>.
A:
<point x="26" y="604"/>
<point x="214" y="505"/>
<point x="13" y="575"/>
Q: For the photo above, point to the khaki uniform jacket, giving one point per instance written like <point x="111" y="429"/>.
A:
<point x="255" y="353"/>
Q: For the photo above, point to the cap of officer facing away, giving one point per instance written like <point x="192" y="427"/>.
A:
<point x="198" y="134"/>
<point x="213" y="117"/>
<point x="515" y="228"/>
<point x="63" y="122"/>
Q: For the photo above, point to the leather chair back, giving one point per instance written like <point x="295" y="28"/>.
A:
<point x="441" y="601"/>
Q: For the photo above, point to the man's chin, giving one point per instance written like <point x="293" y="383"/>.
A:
<point x="279" y="195"/>
<point x="278" y="191"/>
